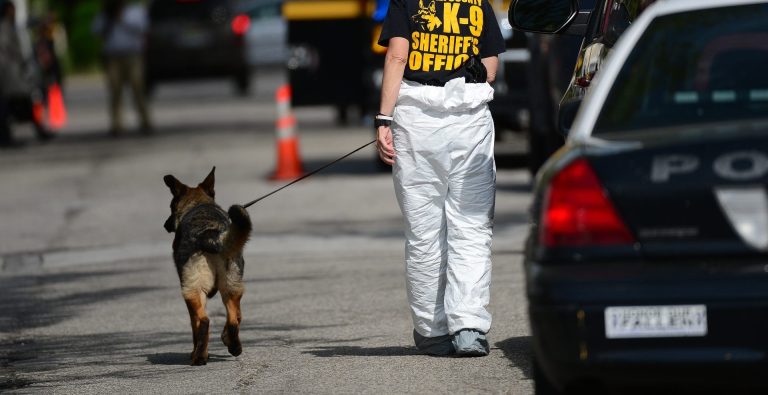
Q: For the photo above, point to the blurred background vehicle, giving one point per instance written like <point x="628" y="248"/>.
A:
<point x="266" y="39"/>
<point x="645" y="259"/>
<point x="533" y="72"/>
<point x="510" y="106"/>
<point x="28" y="61"/>
<point x="191" y="39"/>
<point x="349" y="77"/>
<point x="604" y="26"/>
<point x="562" y="67"/>
<point x="550" y="70"/>
<point x="323" y="72"/>
<point x="533" y="75"/>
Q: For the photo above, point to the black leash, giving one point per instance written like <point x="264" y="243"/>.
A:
<point x="251" y="203"/>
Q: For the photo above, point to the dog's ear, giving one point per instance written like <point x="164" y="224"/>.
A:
<point x="177" y="188"/>
<point x="170" y="224"/>
<point x="207" y="184"/>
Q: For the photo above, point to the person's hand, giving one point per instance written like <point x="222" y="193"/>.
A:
<point x="384" y="145"/>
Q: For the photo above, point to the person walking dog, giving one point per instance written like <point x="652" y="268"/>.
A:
<point x="435" y="128"/>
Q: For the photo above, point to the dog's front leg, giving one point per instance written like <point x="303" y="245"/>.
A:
<point x="200" y="327"/>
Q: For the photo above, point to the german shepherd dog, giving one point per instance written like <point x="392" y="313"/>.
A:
<point x="208" y="252"/>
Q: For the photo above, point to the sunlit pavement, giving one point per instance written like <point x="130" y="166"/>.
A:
<point x="91" y="302"/>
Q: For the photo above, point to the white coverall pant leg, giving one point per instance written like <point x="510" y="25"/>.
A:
<point x="445" y="177"/>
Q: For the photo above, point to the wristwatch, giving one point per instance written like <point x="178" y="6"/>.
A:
<point x="382" y="120"/>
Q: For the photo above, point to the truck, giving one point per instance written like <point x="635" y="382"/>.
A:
<point x="334" y="59"/>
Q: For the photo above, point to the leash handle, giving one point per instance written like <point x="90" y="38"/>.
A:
<point x="251" y="203"/>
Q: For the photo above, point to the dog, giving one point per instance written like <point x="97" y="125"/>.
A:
<point x="208" y="253"/>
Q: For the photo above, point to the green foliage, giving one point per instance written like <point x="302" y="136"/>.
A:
<point x="77" y="17"/>
<point x="84" y="46"/>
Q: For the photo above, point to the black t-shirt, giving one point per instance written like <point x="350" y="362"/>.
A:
<point x="443" y="34"/>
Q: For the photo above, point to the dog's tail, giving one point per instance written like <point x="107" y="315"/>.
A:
<point x="240" y="231"/>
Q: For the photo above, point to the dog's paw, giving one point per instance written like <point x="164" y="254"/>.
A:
<point x="239" y="216"/>
<point x="198" y="357"/>
<point x="199" y="361"/>
<point x="200" y="353"/>
<point x="230" y="337"/>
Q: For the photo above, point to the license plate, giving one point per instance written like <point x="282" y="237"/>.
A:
<point x="655" y="321"/>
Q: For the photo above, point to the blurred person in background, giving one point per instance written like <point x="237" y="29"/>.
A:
<point x="12" y="79"/>
<point x="46" y="51"/>
<point x="122" y="28"/>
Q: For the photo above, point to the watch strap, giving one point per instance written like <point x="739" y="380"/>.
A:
<point x="382" y="120"/>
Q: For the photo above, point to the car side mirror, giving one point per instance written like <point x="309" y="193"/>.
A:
<point x="542" y="16"/>
<point x="567" y="115"/>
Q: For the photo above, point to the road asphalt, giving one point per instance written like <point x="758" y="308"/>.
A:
<point x="91" y="300"/>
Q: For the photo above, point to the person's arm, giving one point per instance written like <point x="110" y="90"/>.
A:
<point x="491" y="64"/>
<point x="492" y="42"/>
<point x="394" y="67"/>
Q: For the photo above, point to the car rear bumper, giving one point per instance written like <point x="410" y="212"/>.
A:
<point x="171" y="64"/>
<point x="567" y="315"/>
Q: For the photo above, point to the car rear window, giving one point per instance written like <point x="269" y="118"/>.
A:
<point x="273" y="10"/>
<point x="204" y="10"/>
<point x="707" y="66"/>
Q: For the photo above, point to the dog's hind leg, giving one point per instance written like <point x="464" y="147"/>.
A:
<point x="231" y="286"/>
<point x="200" y="326"/>
<point x="231" y="282"/>
<point x="231" y="333"/>
<point x="197" y="281"/>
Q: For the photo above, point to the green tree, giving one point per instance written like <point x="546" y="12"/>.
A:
<point x="77" y="17"/>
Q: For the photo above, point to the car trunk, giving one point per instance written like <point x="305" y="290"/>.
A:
<point x="190" y="26"/>
<point x="691" y="197"/>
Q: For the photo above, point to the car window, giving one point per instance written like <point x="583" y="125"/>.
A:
<point x="692" y="68"/>
<point x="266" y="11"/>
<point x="622" y="12"/>
<point x="207" y="10"/>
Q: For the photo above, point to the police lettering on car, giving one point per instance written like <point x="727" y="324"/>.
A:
<point x="734" y="166"/>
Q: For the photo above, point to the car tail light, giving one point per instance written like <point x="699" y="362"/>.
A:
<point x="577" y="212"/>
<point x="241" y="24"/>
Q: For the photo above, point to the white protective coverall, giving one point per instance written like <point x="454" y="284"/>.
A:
<point x="445" y="182"/>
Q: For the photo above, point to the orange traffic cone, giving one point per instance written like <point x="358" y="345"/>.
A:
<point x="288" y="160"/>
<point x="57" y="112"/>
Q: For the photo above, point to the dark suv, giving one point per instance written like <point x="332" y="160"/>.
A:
<point x="197" y="39"/>
<point x="561" y="72"/>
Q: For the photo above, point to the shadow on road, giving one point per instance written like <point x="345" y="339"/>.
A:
<point x="357" y="351"/>
<point x="25" y="305"/>
<point x="50" y="361"/>
<point x="518" y="351"/>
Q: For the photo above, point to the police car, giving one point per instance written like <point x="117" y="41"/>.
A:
<point x="646" y="262"/>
